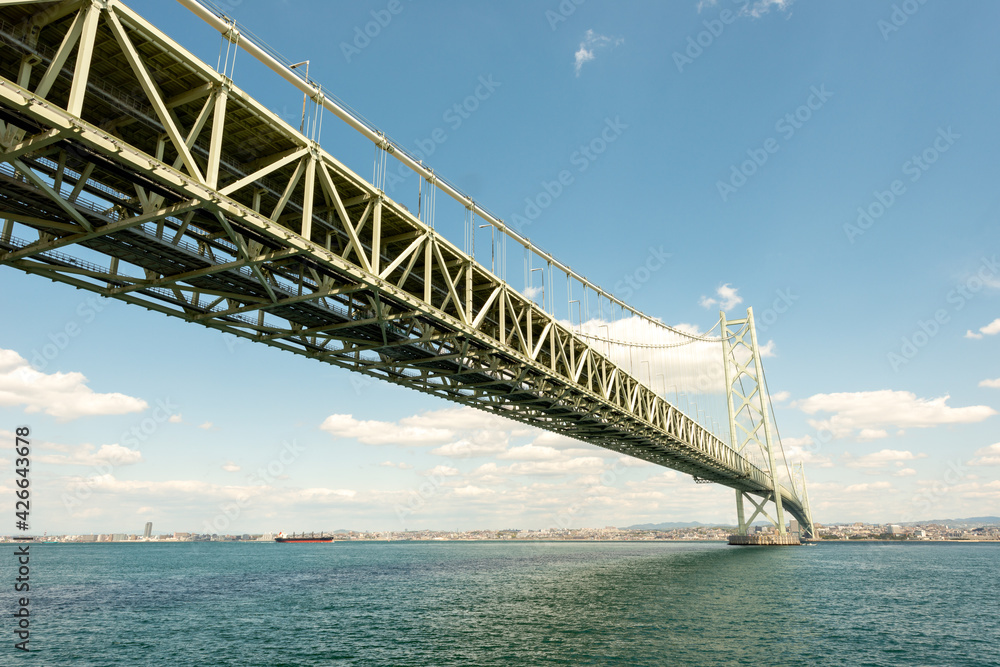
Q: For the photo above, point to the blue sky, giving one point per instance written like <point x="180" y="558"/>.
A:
<point x="831" y="165"/>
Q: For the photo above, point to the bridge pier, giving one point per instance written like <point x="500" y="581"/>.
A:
<point x="750" y="416"/>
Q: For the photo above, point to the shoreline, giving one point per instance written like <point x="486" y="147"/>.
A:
<point x="519" y="541"/>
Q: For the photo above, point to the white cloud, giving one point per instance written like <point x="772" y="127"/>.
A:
<point x="728" y="298"/>
<point x="767" y="350"/>
<point x="555" y="440"/>
<point x="465" y="449"/>
<point x="865" y="412"/>
<point x="754" y="8"/>
<point x="206" y="426"/>
<point x="987" y="456"/>
<point x="867" y="434"/>
<point x="374" y="432"/>
<point x="801" y="450"/>
<point x="470" y="491"/>
<point x="197" y="490"/>
<point x="905" y="472"/>
<point x="442" y="471"/>
<point x="993" y="384"/>
<point x="533" y="292"/>
<point x="592" y="42"/>
<point x="583" y="465"/>
<point x="760" y="7"/>
<point x="883" y="458"/>
<point x="868" y="486"/>
<point x="64" y="396"/>
<point x="780" y="396"/>
<point x="85" y="455"/>
<point x="531" y="452"/>
<point x="399" y="466"/>
<point x="632" y="462"/>
<point x="457" y="419"/>
<point x="175" y="419"/>
<point x="229" y="466"/>
<point x="991" y="329"/>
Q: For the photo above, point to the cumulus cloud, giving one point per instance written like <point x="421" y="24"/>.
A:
<point x="987" y="456"/>
<point x="868" y="486"/>
<point x="728" y="299"/>
<point x="465" y="449"/>
<point x="198" y="490"/>
<point x="993" y="384"/>
<point x="64" y="396"/>
<point x="991" y="329"/>
<point x="801" y="450"/>
<point x="88" y="455"/>
<point x="883" y="458"/>
<point x="865" y="413"/>
<point x="229" y="466"/>
<point x="752" y="8"/>
<point x="442" y="471"/>
<point x="591" y="44"/>
<point x="531" y="452"/>
<point x="399" y="466"/>
<point x="582" y="465"/>
<point x="470" y="491"/>
<point x="373" y="432"/>
<point x="533" y="292"/>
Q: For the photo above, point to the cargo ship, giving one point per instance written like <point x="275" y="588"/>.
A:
<point x="311" y="537"/>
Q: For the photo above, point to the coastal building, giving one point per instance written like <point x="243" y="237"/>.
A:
<point x="148" y="532"/>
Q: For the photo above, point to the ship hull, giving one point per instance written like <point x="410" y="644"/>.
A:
<point x="303" y="539"/>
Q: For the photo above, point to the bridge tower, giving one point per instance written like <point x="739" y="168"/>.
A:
<point x="749" y="425"/>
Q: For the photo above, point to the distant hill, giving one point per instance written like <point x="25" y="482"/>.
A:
<point x="969" y="521"/>
<point x="976" y="520"/>
<point x="674" y="524"/>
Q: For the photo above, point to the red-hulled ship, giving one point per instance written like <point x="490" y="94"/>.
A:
<point x="311" y="537"/>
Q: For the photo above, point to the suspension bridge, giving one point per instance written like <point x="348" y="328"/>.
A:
<point x="130" y="168"/>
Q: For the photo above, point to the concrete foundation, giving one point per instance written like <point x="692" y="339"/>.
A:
<point x="764" y="540"/>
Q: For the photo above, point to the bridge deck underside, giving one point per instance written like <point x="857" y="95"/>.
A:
<point x="188" y="197"/>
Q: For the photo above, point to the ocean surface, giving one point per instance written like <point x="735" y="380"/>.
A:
<point x="462" y="603"/>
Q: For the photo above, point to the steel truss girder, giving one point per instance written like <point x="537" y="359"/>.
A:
<point x="393" y="299"/>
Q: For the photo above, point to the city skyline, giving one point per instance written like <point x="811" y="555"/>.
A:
<point x="846" y="199"/>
